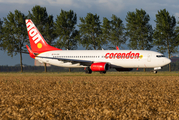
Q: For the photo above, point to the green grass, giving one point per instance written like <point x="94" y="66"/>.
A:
<point x="160" y="73"/>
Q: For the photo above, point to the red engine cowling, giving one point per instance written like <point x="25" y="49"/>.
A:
<point x="101" y="66"/>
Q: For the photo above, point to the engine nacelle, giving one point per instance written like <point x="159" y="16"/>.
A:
<point x="124" y="69"/>
<point x="101" y="66"/>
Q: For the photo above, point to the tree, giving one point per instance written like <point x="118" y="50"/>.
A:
<point x="90" y="32"/>
<point x="1" y="34"/>
<point x="44" y="23"/>
<point x="165" y="34"/>
<point x="113" y="31"/>
<point x="15" y="35"/>
<point x="49" y="32"/>
<point x="138" y="30"/>
<point x="65" y="28"/>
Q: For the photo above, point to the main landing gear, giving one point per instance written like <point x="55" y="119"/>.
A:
<point x="102" y="72"/>
<point x="88" y="70"/>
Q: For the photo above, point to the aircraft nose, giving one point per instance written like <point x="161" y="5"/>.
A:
<point x="167" y="61"/>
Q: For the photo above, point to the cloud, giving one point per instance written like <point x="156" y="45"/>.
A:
<point x="176" y="15"/>
<point x="40" y="2"/>
<point x="111" y="5"/>
<point x="106" y="5"/>
<point x="104" y="8"/>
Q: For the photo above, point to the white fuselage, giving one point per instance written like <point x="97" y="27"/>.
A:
<point x="116" y="58"/>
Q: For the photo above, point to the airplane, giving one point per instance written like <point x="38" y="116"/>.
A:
<point x="91" y="60"/>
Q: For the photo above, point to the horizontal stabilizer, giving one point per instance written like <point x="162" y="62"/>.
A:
<point x="32" y="55"/>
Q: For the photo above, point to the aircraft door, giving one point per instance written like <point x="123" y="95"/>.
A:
<point x="149" y="57"/>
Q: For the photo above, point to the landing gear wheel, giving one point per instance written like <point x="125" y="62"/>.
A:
<point x="155" y="71"/>
<point x="88" y="70"/>
<point x="103" y="72"/>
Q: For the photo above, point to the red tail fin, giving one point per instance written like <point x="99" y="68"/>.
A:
<point x="37" y="42"/>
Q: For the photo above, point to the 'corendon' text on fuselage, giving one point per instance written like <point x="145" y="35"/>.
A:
<point x="129" y="55"/>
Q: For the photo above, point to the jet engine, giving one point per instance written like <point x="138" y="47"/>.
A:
<point x="101" y="66"/>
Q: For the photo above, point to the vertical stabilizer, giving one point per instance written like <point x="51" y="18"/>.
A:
<point x="37" y="42"/>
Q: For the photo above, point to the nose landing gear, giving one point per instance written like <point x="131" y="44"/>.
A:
<point x="155" y="69"/>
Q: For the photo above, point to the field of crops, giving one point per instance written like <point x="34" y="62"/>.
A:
<point x="79" y="96"/>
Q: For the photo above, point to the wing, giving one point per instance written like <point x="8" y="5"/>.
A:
<point x="73" y="61"/>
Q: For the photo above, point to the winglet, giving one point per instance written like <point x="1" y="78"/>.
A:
<point x="32" y="55"/>
<point x="117" y="47"/>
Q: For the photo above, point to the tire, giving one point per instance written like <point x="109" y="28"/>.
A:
<point x="88" y="71"/>
<point x="103" y="72"/>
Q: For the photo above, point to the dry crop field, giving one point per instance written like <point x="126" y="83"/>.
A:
<point x="79" y="96"/>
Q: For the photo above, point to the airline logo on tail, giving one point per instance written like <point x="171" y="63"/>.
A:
<point x="37" y="42"/>
<point x="36" y="37"/>
<point x="34" y="34"/>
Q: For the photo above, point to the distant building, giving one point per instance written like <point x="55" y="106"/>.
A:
<point x="174" y="58"/>
<point x="37" y="63"/>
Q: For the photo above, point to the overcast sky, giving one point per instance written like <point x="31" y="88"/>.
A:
<point x="104" y="8"/>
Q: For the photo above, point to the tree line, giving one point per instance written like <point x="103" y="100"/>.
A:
<point x="26" y="68"/>
<point x="64" y="33"/>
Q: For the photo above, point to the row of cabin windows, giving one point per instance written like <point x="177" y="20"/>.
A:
<point x="77" y="56"/>
<point x="94" y="56"/>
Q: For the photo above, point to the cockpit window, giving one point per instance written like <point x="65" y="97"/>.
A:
<point x="160" y="56"/>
